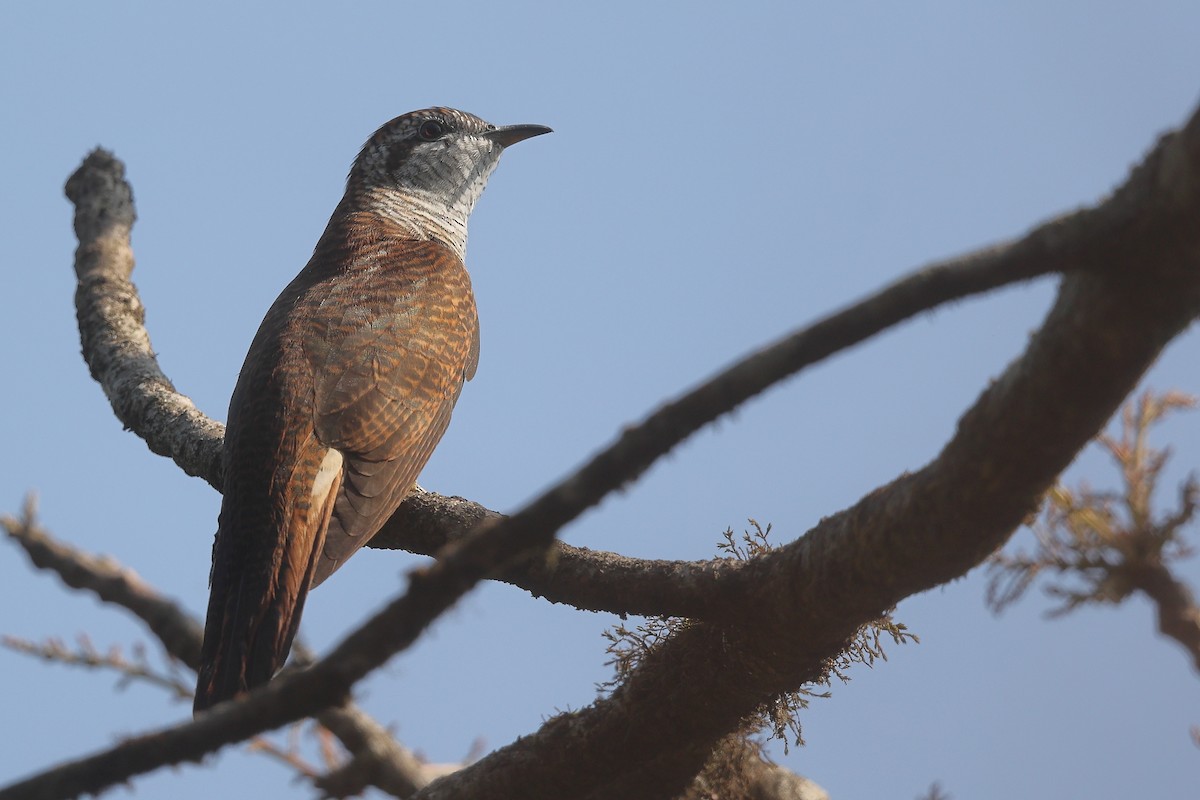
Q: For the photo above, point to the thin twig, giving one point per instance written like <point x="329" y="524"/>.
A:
<point x="86" y="655"/>
<point x="109" y="581"/>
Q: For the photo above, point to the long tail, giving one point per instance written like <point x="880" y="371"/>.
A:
<point x="260" y="580"/>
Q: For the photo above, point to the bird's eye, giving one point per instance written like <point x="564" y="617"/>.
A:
<point x="431" y="130"/>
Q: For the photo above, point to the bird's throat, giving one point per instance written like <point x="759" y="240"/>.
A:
<point x="422" y="215"/>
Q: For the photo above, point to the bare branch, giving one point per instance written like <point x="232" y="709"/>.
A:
<point x="289" y="755"/>
<point x="377" y="759"/>
<point x="591" y="580"/>
<point x="85" y="654"/>
<point x="1178" y="614"/>
<point x="115" y="343"/>
<point x="109" y="581"/>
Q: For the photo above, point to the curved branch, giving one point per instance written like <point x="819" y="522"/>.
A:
<point x="115" y="343"/>
<point x="590" y="580"/>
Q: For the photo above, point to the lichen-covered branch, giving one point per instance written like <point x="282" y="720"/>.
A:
<point x="115" y="343"/>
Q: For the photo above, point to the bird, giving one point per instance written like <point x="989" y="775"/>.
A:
<point x="347" y="387"/>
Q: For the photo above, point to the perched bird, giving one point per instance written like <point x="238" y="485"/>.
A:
<point x="347" y="387"/>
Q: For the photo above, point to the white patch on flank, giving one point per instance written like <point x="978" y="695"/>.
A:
<point x="331" y="468"/>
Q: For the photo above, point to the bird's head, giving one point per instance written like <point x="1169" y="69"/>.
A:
<point x="439" y="156"/>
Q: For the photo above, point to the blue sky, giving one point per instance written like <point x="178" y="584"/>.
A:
<point x="717" y="177"/>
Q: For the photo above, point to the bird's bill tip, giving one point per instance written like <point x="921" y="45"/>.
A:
<point x="506" y="135"/>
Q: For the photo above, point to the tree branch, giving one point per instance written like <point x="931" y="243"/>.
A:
<point x="377" y="758"/>
<point x="590" y="580"/>
<point x="1178" y="614"/>
<point x="110" y="313"/>
<point x="179" y="633"/>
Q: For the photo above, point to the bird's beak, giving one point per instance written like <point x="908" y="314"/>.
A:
<point x="511" y="134"/>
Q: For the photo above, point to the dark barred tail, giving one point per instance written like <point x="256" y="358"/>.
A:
<point x="260" y="579"/>
<point x="240" y="653"/>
